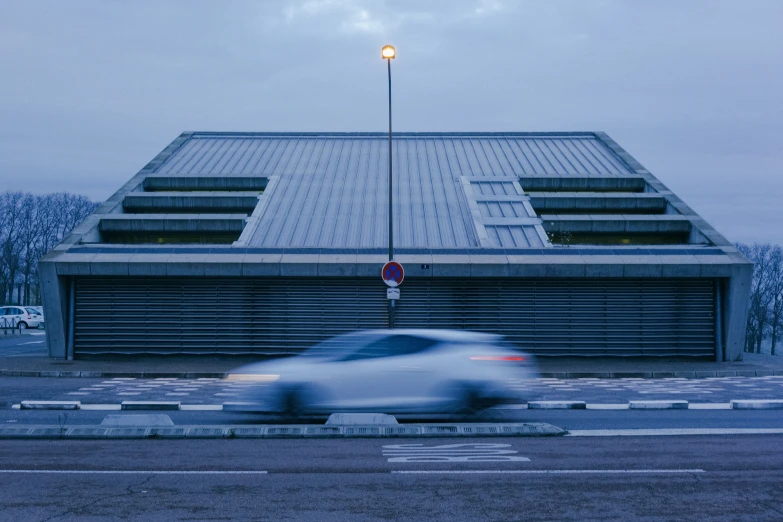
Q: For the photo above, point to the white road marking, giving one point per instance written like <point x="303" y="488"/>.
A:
<point x="31" y="342"/>
<point x="201" y="407"/>
<point x="544" y="471"/>
<point x="451" y="453"/>
<point x="607" y="406"/>
<point x="709" y="406"/>
<point x="129" y="472"/>
<point x="673" y="431"/>
<point x="100" y="407"/>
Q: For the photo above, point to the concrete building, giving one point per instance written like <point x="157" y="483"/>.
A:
<point x="269" y="242"/>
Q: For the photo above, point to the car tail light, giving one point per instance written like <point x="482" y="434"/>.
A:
<point x="516" y="358"/>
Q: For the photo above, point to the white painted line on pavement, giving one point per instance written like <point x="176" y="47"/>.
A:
<point x="673" y="431"/>
<point x="543" y="471"/>
<point x="709" y="406"/>
<point x="201" y="407"/>
<point x="133" y="472"/>
<point x="31" y="342"/>
<point x="607" y="406"/>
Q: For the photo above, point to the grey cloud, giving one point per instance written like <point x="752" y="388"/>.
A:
<point x="93" y="90"/>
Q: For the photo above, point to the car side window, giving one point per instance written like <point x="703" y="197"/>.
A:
<point x="374" y="350"/>
<point x="391" y="346"/>
<point x="409" y="345"/>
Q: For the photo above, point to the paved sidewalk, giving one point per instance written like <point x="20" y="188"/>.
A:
<point x="752" y="365"/>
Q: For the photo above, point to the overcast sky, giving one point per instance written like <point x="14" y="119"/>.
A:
<point x="90" y="91"/>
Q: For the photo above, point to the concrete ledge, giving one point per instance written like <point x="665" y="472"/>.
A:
<point x="281" y="431"/>
<point x="557" y="405"/>
<point x="137" y="421"/>
<point x="50" y="405"/>
<point x="360" y="418"/>
<point x="776" y="404"/>
<point x="658" y="405"/>
<point x="150" y="405"/>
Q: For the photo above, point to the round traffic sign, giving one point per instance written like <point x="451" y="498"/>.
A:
<point x="392" y="273"/>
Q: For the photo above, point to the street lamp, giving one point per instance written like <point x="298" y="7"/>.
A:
<point x="387" y="53"/>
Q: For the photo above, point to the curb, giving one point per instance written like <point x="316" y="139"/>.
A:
<point x="757" y="405"/>
<point x="284" y="431"/>
<point x="538" y="405"/>
<point x="50" y="405"/>
<point x="658" y="405"/>
<point x="557" y="405"/>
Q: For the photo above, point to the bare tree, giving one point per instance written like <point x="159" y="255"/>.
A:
<point x="776" y="291"/>
<point x="766" y="295"/>
<point x="30" y="226"/>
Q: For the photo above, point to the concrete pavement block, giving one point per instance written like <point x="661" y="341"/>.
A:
<point x="50" y="405"/>
<point x="658" y="405"/>
<point x="150" y="405"/>
<point x="242" y="432"/>
<point x="687" y="375"/>
<point x="557" y="405"/>
<point x="323" y="431"/>
<point x="206" y="433"/>
<point x="360" y="418"/>
<point x="776" y="404"/>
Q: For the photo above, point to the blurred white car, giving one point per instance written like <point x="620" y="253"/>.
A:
<point x="12" y="316"/>
<point x="388" y="371"/>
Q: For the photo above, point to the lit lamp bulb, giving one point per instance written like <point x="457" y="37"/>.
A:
<point x="387" y="52"/>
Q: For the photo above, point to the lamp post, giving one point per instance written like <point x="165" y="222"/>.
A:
<point x="388" y="52"/>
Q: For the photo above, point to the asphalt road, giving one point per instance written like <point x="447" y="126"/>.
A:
<point x="31" y="342"/>
<point x="564" y="479"/>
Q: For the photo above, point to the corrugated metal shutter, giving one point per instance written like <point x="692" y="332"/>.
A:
<point x="220" y="315"/>
<point x="571" y="316"/>
<point x="273" y="315"/>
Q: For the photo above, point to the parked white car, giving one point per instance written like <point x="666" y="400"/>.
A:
<point x="13" y="316"/>
<point x="389" y="371"/>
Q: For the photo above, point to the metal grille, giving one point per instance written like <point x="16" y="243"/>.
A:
<point x="275" y="316"/>
<point x="572" y="317"/>
<point x="220" y="315"/>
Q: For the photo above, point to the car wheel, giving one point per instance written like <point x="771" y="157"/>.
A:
<point x="22" y="326"/>
<point x="473" y="403"/>
<point x="293" y="403"/>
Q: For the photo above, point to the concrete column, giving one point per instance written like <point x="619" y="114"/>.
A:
<point x="54" y="292"/>
<point x="735" y="310"/>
